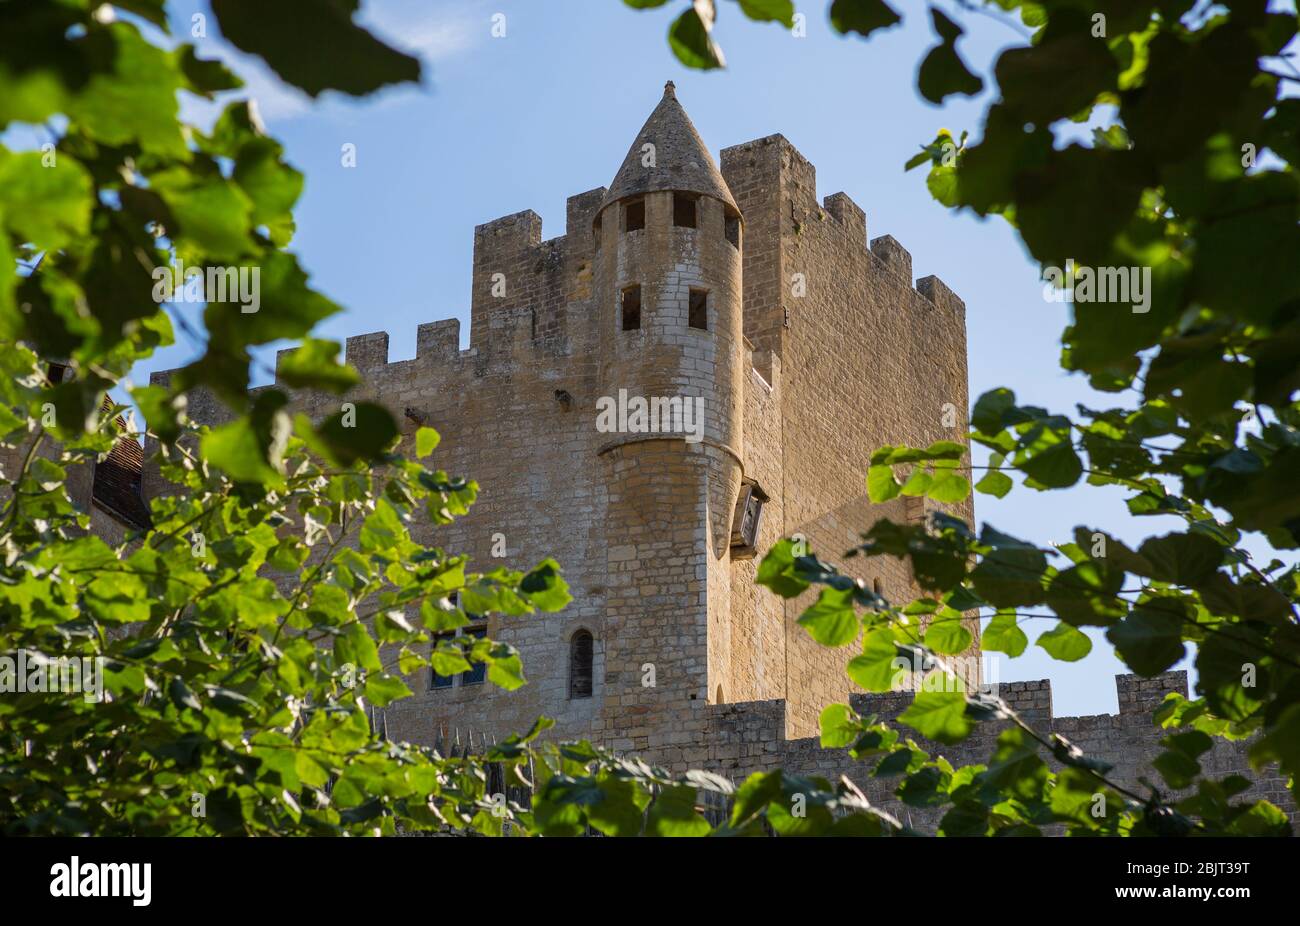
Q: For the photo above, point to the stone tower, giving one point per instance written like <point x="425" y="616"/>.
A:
<point x="807" y="344"/>
<point x="667" y="289"/>
<point x="756" y="345"/>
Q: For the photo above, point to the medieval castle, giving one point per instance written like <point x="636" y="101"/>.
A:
<point x="700" y="365"/>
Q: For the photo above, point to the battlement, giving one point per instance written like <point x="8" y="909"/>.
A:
<point x="1138" y="699"/>
<point x="770" y="175"/>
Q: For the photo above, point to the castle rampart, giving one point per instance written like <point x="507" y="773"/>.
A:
<point x="809" y="346"/>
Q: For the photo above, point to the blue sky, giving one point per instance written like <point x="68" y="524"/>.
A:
<point x="548" y="110"/>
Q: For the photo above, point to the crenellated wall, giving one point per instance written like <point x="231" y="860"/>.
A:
<point x="819" y="349"/>
<point x="800" y="383"/>
<point x="747" y="738"/>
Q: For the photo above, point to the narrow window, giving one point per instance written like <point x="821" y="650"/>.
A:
<point x="876" y="587"/>
<point x="634" y="215"/>
<point x="477" y="671"/>
<point x="698" y="312"/>
<point x="595" y="232"/>
<point x="581" y="648"/>
<point x="719" y="699"/>
<point x="632" y="308"/>
<point x="683" y="210"/>
<point x="437" y="681"/>
<point x="731" y="229"/>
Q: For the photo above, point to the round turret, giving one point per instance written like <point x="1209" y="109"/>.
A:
<point x="667" y="280"/>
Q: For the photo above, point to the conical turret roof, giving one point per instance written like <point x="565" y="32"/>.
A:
<point x="681" y="162"/>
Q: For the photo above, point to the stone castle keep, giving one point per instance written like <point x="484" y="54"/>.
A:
<point x="809" y="346"/>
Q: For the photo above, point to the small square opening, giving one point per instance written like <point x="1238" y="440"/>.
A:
<point x="698" y="312"/>
<point x="631" y="308"/>
<point x="683" y="210"/>
<point x="634" y="215"/>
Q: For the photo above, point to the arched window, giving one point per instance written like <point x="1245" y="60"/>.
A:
<point x="581" y="648"/>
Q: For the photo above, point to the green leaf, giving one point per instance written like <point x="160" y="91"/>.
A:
<point x="251" y="449"/>
<point x="1003" y="635"/>
<point x="132" y="96"/>
<point x="838" y="725"/>
<point x="673" y="813"/>
<point x="360" y="430"/>
<point x="288" y="35"/>
<point x="995" y="483"/>
<point x="1177" y="769"/>
<point x="315" y="365"/>
<point x="881" y="484"/>
<point x="943" y="73"/>
<point x="1065" y="643"/>
<point x="383" y="529"/>
<point x="1058" y="75"/>
<point x="1231" y="673"/>
<point x="690" y="41"/>
<point x="205" y="76"/>
<point x="383" y="690"/>
<point x="1010" y="575"/>
<point x="875" y="669"/>
<point x="1150" y="638"/>
<point x="271" y="185"/>
<point x="1056" y="467"/>
<point x="506" y="671"/>
<point x="212" y="215"/>
<point x="426" y="441"/>
<point x="544" y="587"/>
<point x="1182" y="559"/>
<point x="948" y="487"/>
<point x="862" y="16"/>
<point x="991" y="410"/>
<point x="45" y="206"/>
<point x="831" y="620"/>
<point x="947" y="635"/>
<point x="938" y="715"/>
<point x="776" y="571"/>
<point x="781" y="11"/>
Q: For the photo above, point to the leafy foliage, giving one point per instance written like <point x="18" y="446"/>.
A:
<point x="251" y="635"/>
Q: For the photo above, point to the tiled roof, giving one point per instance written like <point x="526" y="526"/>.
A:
<point x="681" y="162"/>
<point x="117" y="480"/>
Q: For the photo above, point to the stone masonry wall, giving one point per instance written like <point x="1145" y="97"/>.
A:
<point x="867" y="361"/>
<point x="744" y="738"/>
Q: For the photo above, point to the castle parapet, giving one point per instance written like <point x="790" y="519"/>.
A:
<point x="937" y="291"/>
<point x="367" y="352"/>
<point x="849" y="214"/>
<point x="438" y="340"/>
<point x="1138" y="695"/>
<point x="893" y="255"/>
<point x="580" y="212"/>
<point x="508" y="233"/>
